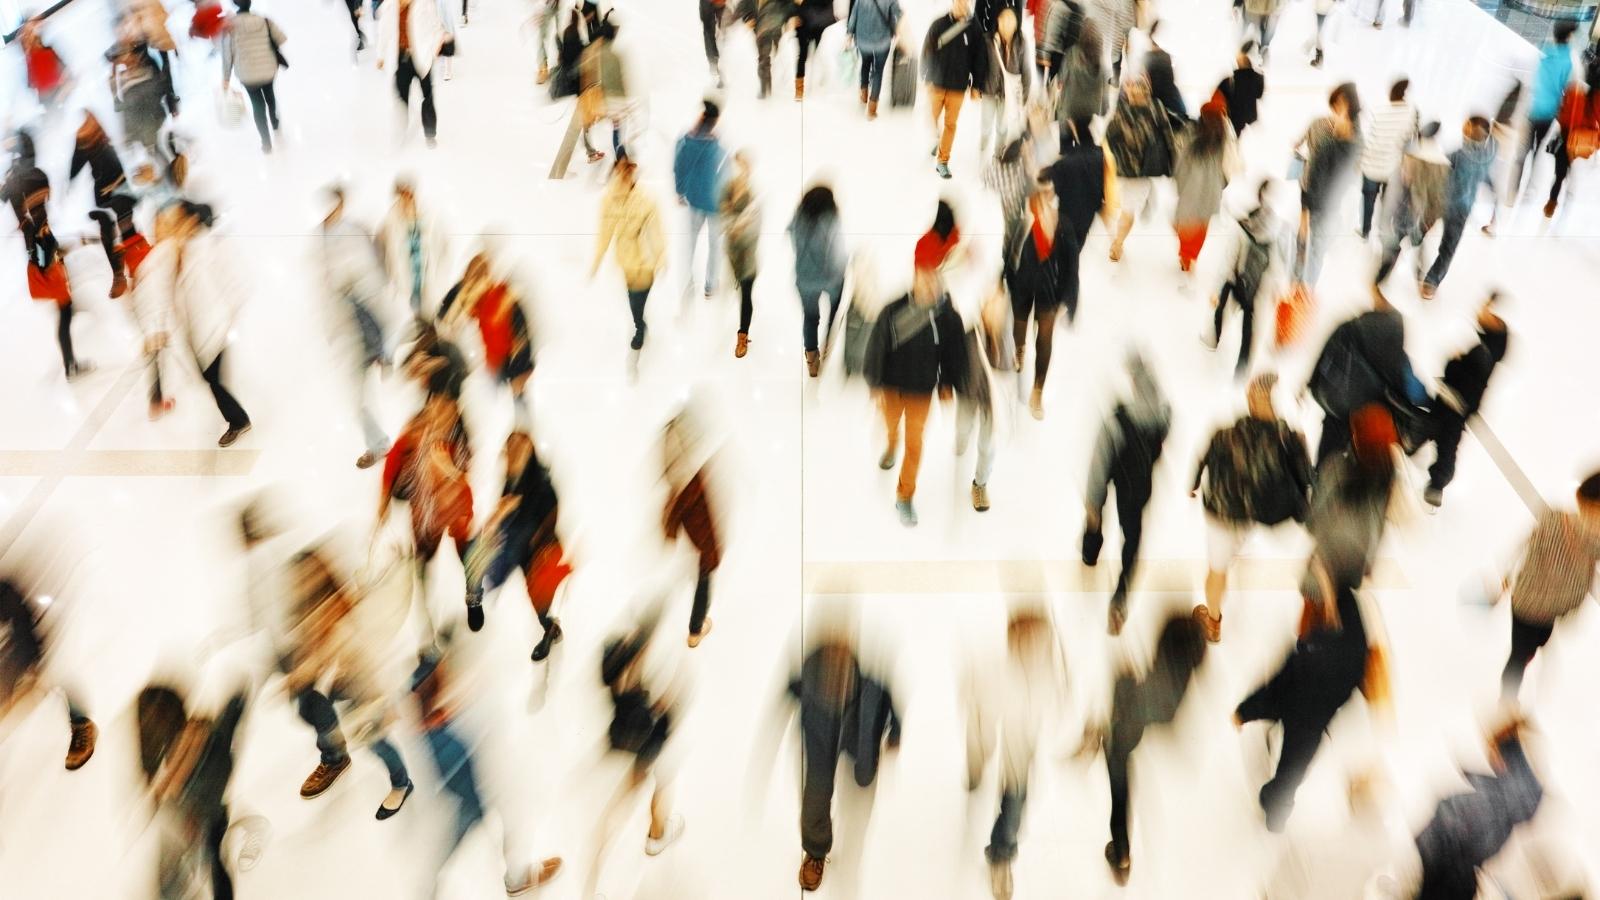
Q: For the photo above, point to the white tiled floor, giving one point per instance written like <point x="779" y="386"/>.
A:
<point x="146" y="576"/>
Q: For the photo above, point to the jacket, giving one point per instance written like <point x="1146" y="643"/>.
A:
<point x="1130" y="443"/>
<point x="954" y="57"/>
<point x="1242" y="92"/>
<point x="150" y="19"/>
<point x="1363" y="362"/>
<point x="1255" y="470"/>
<point x="1389" y="129"/>
<point x="1471" y="165"/>
<point x="1164" y="82"/>
<point x="1141" y="140"/>
<point x="348" y="258"/>
<point x="873" y="24"/>
<point x="1328" y="158"/>
<point x="1550" y="82"/>
<point x="1258" y="243"/>
<point x="767" y="18"/>
<point x="104" y="167"/>
<point x="1420" y="199"/>
<point x="697" y="170"/>
<point x="915" y="349"/>
<point x="858" y="729"/>
<point x="819" y="257"/>
<point x="1468" y="374"/>
<point x="1201" y="178"/>
<point x="206" y="295"/>
<point x="1083" y="76"/>
<point x="247" y="52"/>
<point x="815" y="15"/>
<point x="394" y="243"/>
<point x="1468" y="829"/>
<point x="1062" y="23"/>
<point x="1079" y="176"/>
<point x="427" y="28"/>
<point x="1015" y="62"/>
<point x="630" y="219"/>
<point x="741" y="225"/>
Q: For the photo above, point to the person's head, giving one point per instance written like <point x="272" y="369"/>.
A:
<point x="21" y="148"/>
<point x="1028" y="636"/>
<point x="944" y="220"/>
<point x="1563" y="31"/>
<point x="1181" y="648"/>
<point x="818" y="202"/>
<point x="1373" y="437"/>
<point x="1345" y="103"/>
<point x="477" y="269"/>
<point x="1006" y="23"/>
<point x="1258" y="397"/>
<point x="242" y="5"/>
<point x="1155" y="26"/>
<point x="405" y="194"/>
<point x="1211" y="131"/>
<point x="1243" y="59"/>
<point x="1397" y="91"/>
<point x="1488" y="317"/>
<point x="1476" y="129"/>
<point x="1589" y="497"/>
<point x="960" y="8"/>
<point x="255" y="524"/>
<point x="709" y="114"/>
<point x="334" y="195"/>
<point x="1044" y="187"/>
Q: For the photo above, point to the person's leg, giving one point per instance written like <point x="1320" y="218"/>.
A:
<point x="1043" y="344"/>
<point x="1021" y="309"/>
<point x="916" y="406"/>
<point x="430" y="118"/>
<point x="1229" y="289"/>
<point x="1003" y="837"/>
<point x="1388" y="255"/>
<point x="317" y="711"/>
<point x="1526" y="639"/>
<point x="1322" y="19"/>
<point x="1247" y="334"/>
<point x="1446" y="442"/>
<point x="1563" y="163"/>
<point x="746" y="304"/>
<point x="404" y="71"/>
<point x="636" y="301"/>
<point x="232" y="412"/>
<point x="985" y="448"/>
<point x="697" y="223"/>
<point x="1117" y="775"/>
<point x="215" y="828"/>
<point x="835" y="300"/>
<point x="702" y="603"/>
<point x="1302" y="733"/>
<point x="381" y="748"/>
<point x="270" y="94"/>
<point x="1369" y="202"/>
<point x="258" y="108"/>
<point x="811" y="317"/>
<point x="69" y="361"/>
<point x="713" y="252"/>
<point x="819" y="765"/>
<point x="952" y="114"/>
<point x="1269" y="25"/>
<point x="892" y="404"/>
<point x="764" y="47"/>
<point x="966" y="419"/>
<point x="803" y="40"/>
<point x="935" y="108"/>
<point x="1317" y="245"/>
<point x="1537" y="129"/>
<point x="1455" y="224"/>
<point x="708" y="30"/>
<point x="877" y="62"/>
<point x="989" y="123"/>
<point x="1130" y="517"/>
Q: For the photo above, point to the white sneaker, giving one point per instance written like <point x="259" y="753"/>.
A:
<point x="674" y="830"/>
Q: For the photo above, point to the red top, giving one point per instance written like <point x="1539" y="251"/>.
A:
<point x="1578" y="110"/>
<point x="134" y="250"/>
<point x="207" y="22"/>
<point x="493" y="312"/>
<point x="1042" y="242"/>
<point x="45" y="71"/>
<point x="932" y="249"/>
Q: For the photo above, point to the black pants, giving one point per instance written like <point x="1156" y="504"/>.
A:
<point x="1447" y="428"/>
<point x="710" y="24"/>
<point x="636" y="301"/>
<point x="766" y="46"/>
<point x="231" y="411"/>
<point x="1448" y="880"/>
<point x="1247" y="308"/>
<point x="264" y="103"/>
<point x="1538" y="129"/>
<point x="1370" y="191"/>
<point x="69" y="362"/>
<point x="1118" y="751"/>
<point x="1335" y="437"/>
<point x="747" y="288"/>
<point x="1526" y="639"/>
<point x="1563" y="164"/>
<point x="806" y="39"/>
<point x="1130" y="518"/>
<point x="820" y="740"/>
<point x="355" y="17"/>
<point x="404" y="72"/>
<point x="702" y="603"/>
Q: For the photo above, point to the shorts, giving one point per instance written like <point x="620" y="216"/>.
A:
<point x="1224" y="540"/>
<point x="1136" y="194"/>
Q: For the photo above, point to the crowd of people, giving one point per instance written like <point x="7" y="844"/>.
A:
<point x="1076" y="126"/>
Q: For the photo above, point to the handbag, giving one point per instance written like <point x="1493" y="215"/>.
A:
<point x="276" y="50"/>
<point x="230" y="108"/>
<point x="50" y="283"/>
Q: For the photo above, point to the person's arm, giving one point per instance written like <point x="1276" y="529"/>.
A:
<point x="278" y="37"/>
<point x="228" y="52"/>
<point x="604" y="235"/>
<point x="80" y="158"/>
<point x="680" y="168"/>
<point x="952" y="351"/>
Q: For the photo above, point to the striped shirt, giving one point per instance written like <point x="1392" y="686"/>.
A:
<point x="1389" y="129"/>
<point x="1557" y="569"/>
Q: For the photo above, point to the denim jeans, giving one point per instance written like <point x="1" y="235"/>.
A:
<point x="811" y="303"/>
<point x="712" y="224"/>
<point x="1370" y="190"/>
<point x="872" y="66"/>
<point x="264" y="103"/>
<point x="1315" y="247"/>
<point x="1003" y="838"/>
<point x="372" y="351"/>
<point x="317" y="711"/>
<point x="967" y="415"/>
<point x="1455" y="224"/>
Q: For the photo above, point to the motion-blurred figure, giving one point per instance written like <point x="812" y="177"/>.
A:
<point x="819" y="264"/>
<point x="1550" y="80"/>
<point x="1252" y="260"/>
<point x="415" y="246"/>
<point x="354" y="280"/>
<point x="629" y="218"/>
<point x="691" y="510"/>
<point x="1554" y="576"/>
<point x="47" y="74"/>
<point x="989" y="349"/>
<point x="1466" y="378"/>
<point x="27" y="190"/>
<point x="252" y="52"/>
<point x="699" y="166"/>
<point x="1471" y="167"/>
<point x="110" y="193"/>
<point x="1579" y="118"/>
<point x="24" y="643"/>
<point x="410" y="53"/>
<point x="427" y="468"/>
<point x="1389" y="130"/>
<point x="1363" y="362"/>
<point x="488" y="299"/>
<point x="741" y="216"/>
<point x="1125" y="456"/>
<point x="1330" y="147"/>
<point x="1416" y="201"/>
<point x="142" y="94"/>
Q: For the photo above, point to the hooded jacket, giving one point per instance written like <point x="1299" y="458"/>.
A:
<point x="697" y="170"/>
<point x="915" y="349"/>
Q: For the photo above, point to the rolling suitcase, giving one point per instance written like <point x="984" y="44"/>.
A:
<point x="902" y="80"/>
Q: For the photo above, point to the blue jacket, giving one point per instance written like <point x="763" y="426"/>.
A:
<point x="697" y="170"/>
<point x="872" y="23"/>
<point x="1550" y="81"/>
<point x="1471" y="165"/>
<point x="819" y="258"/>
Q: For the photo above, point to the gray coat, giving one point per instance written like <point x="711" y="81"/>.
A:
<point x="247" y="49"/>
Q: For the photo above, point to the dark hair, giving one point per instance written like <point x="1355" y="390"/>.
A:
<point x="1210" y="132"/>
<point x="1352" y="100"/>
<point x="1151" y="31"/>
<point x="1429" y="130"/>
<point x="1564" y="30"/>
<point x="23" y="148"/>
<point x="1248" y="48"/>
<point x="241" y="5"/>
<point x="1010" y="152"/>
<point x="1181" y="644"/>
<point x="709" y="113"/>
<point x="1589" y="490"/>
<point x="200" y="212"/>
<point x="1043" y="177"/>
<point x="1479" y="122"/>
<point x="944" y="220"/>
<point x="1397" y="91"/>
<point x="818" y="202"/>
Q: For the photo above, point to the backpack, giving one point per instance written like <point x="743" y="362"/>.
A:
<point x="1255" y="479"/>
<point x="1343" y="379"/>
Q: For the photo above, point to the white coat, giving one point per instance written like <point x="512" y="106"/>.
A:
<point x="394" y="244"/>
<point x="207" y="295"/>
<point x="153" y="288"/>
<point x="429" y="25"/>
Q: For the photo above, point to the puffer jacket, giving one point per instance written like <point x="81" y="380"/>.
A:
<point x="150" y="19"/>
<point x="206" y="295"/>
<point x="247" y="49"/>
<point x="629" y="218"/>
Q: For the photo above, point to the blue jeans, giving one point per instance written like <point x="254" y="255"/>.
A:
<point x="811" y="302"/>
<point x="1455" y="223"/>
<point x="712" y="223"/>
<point x="317" y="711"/>
<point x="872" y="66"/>
<point x="1003" y="838"/>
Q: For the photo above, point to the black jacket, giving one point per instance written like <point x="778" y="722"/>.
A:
<point x="857" y="729"/>
<point x="1163" y="83"/>
<point x="103" y="164"/>
<point x="1079" y="177"/>
<point x="1468" y="374"/>
<point x="954" y="55"/>
<point x="1363" y="362"/>
<point x="816" y="15"/>
<point x="1242" y="91"/>
<point x="916" y="349"/>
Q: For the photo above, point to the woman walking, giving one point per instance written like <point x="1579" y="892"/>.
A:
<point x="1258" y="243"/>
<point x="1330" y="147"/>
<point x="1207" y="159"/>
<point x="819" y="262"/>
<point x="252" y="52"/>
<point x="741" y="216"/>
<point x="628" y="218"/>
<point x="812" y="18"/>
<point x="1035" y="260"/>
<point x="1007" y="84"/>
<point x="872" y="24"/>
<point x="1141" y="142"/>
<point x="410" y="39"/>
<point x="690" y="511"/>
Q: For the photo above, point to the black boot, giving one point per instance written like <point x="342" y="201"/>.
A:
<point x="552" y="634"/>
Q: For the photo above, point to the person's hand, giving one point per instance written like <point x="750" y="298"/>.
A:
<point x="380" y="62"/>
<point x="794" y="22"/>
<point x="945" y="393"/>
<point x="1195" y="492"/>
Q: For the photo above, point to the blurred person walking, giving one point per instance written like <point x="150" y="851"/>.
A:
<point x="1163" y="81"/>
<point x="1325" y="153"/>
<point x="603" y="87"/>
<point x="111" y="192"/>
<point x="874" y="26"/>
<point x="1471" y="167"/>
<point x="1321" y="9"/>
<point x="1042" y="260"/>
<point x="1081" y="78"/>
<point x="954" y="61"/>
<point x="1256" y="472"/>
<point x="741" y="215"/>
<point x="1085" y="180"/>
<point x="1466" y="378"/>
<point x="1263" y="14"/>
<point x="1549" y="84"/>
<point x="489" y="300"/>
<point x="819" y="264"/>
<point x="141" y="93"/>
<point x="1207" y="158"/>
<point x="24" y="646"/>
<point x="1364" y="362"/>
<point x="26" y="189"/>
<point x="1143" y="146"/>
<point x="691" y="510"/>
<point x="1579" y="118"/>
<point x="1241" y="92"/>
<point x="1389" y="130"/>
<point x="353" y="277"/>
<point x="1125" y="456"/>
<point x="628" y="218"/>
<point x="415" y="247"/>
<point x="252" y="52"/>
<point x="410" y="40"/>
<point x="989" y="345"/>
<point x="1553" y="577"/>
<point x="811" y="19"/>
<point x="712" y="12"/>
<point x="698" y="171"/>
<point x="1257" y="249"/>
<point x="915" y="348"/>
<point x="1418" y="200"/>
<point x="426" y="467"/>
<point x="1008" y="81"/>
<point x="768" y="19"/>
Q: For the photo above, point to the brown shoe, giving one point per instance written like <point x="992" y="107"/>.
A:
<point x="872" y="110"/>
<point x="813" y="363"/>
<point x="799" y="89"/>
<point x="1549" y="212"/>
<point x="863" y="96"/>
<point x="323" y="777"/>
<point x="811" y="872"/>
<point x="1120" y="865"/>
<point x="1021" y="351"/>
<point x="1036" y="403"/>
<point x="535" y="877"/>
<point x="544" y="75"/>
<point x="741" y="345"/>
<point x="119" y="281"/>
<point x="82" y="747"/>
<point x="696" y="637"/>
<point x="980" y="497"/>
<point x="1212" y="627"/>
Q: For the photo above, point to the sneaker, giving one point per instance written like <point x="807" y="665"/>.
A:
<point x="811" y="872"/>
<point x="1116" y="617"/>
<point x="396" y="799"/>
<point x="943" y="170"/>
<point x="1036" y="404"/>
<point x="232" y="434"/>
<point x="1212" y="627"/>
<point x="369" y="459"/>
<point x="1433" y="496"/>
<point x="980" y="497"/>
<point x="119" y="281"/>
<point x="243" y="842"/>
<point x="741" y="345"/>
<point x="696" y="637"/>
<point x="432" y="141"/>
<point x="813" y="363"/>
<point x="535" y="877"/>
<point x="654" y="846"/>
<point x="1426" y="290"/>
<point x="908" y="513"/>
<point x="323" y="777"/>
<point x="1120" y="865"/>
<point x="1000" y="880"/>
<point x="552" y="636"/>
<point x="886" y="461"/>
<point x="84" y="735"/>
<point x="543" y="76"/>
<point x="474" y="615"/>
